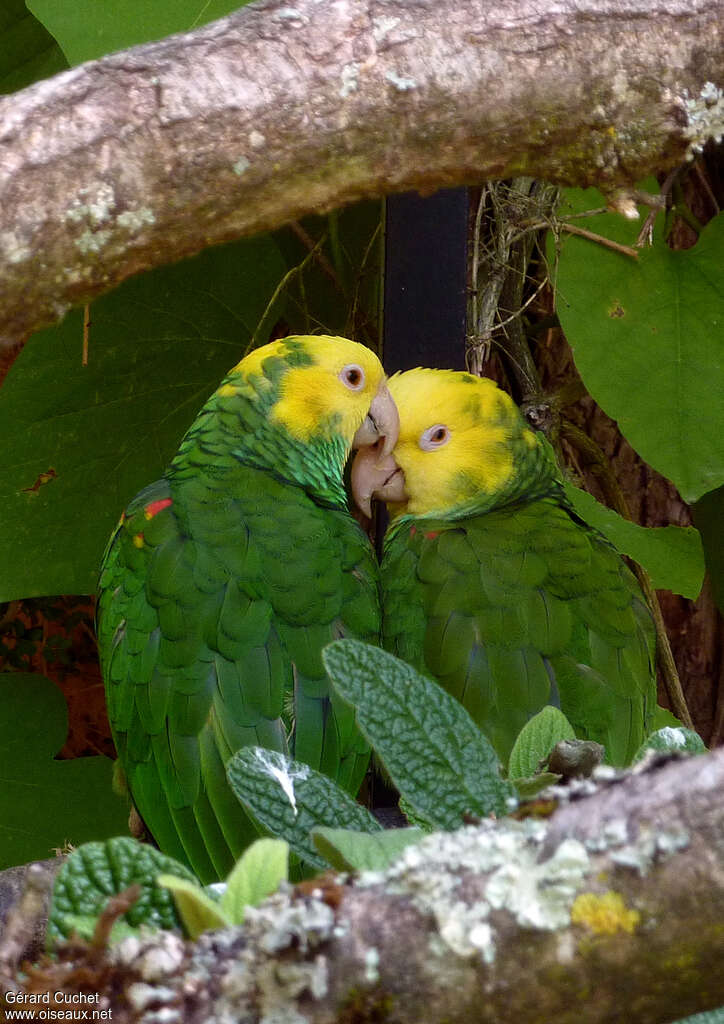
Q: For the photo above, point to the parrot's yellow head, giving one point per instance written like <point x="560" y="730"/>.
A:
<point x="320" y="388"/>
<point x="461" y="441"/>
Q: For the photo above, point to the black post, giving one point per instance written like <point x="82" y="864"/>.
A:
<point x="425" y="280"/>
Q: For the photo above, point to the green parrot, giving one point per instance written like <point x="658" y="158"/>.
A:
<point x="491" y="583"/>
<point x="224" y="580"/>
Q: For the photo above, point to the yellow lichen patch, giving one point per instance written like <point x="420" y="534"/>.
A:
<point x="604" y="914"/>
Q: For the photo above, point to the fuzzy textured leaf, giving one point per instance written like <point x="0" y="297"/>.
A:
<point x="80" y="441"/>
<point x="45" y="803"/>
<point x="672" y="739"/>
<point x="645" y="335"/>
<point x="536" y="740"/>
<point x="361" y="851"/>
<point x="673" y="556"/>
<point x="290" y="799"/>
<point x="708" y="1017"/>
<point x="436" y="756"/>
<point x="96" y="871"/>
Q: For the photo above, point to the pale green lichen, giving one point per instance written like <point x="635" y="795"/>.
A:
<point x="704" y="116"/>
<point x="612" y="834"/>
<point x="349" y="80"/>
<point x="382" y="25"/>
<point x="650" y="846"/>
<point x="93" y="205"/>
<point x="12" y="249"/>
<point x="372" y="963"/>
<point x="241" y="166"/>
<point x="134" y="220"/>
<point x="400" y="83"/>
<point x="538" y="894"/>
<point x="92" y="241"/>
<point x="303" y="923"/>
<point x="289" y="14"/>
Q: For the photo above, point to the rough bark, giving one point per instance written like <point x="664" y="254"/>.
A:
<point x="611" y="910"/>
<point x="292" y="106"/>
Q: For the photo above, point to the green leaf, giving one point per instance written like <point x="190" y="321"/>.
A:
<point x="84" y="926"/>
<point x="361" y="851"/>
<point x="96" y="871"/>
<point x="673" y="556"/>
<point x="708" y="515"/>
<point x="536" y="740"/>
<point x="45" y="803"/>
<point x="708" y="1017"/>
<point x="662" y="718"/>
<point x="645" y="335"/>
<point x="28" y="52"/>
<point x="672" y="740"/>
<point x="436" y="756"/>
<point x="530" y="787"/>
<point x="257" y="874"/>
<point x="197" y="911"/>
<point x="80" y="441"/>
<point x="290" y="799"/>
<point x="87" y="29"/>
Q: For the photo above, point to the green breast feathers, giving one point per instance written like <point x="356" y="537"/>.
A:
<point x="223" y="582"/>
<point x="492" y="584"/>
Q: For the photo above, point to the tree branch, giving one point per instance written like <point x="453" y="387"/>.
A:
<point x="293" y="106"/>
<point x="616" y="902"/>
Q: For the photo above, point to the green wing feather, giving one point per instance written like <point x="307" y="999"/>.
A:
<point x="214" y="606"/>
<point x="521" y="607"/>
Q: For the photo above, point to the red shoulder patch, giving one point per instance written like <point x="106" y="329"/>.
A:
<point x="432" y="535"/>
<point x="413" y="531"/>
<point x="156" y="506"/>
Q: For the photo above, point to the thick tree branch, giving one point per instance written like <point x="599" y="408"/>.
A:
<point x="292" y="106"/>
<point x="612" y="910"/>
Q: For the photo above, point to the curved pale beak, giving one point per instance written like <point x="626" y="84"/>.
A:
<point x="382" y="423"/>
<point x="376" y="475"/>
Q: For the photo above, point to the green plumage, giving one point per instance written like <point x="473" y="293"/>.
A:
<point x="521" y="607"/>
<point x="502" y="593"/>
<point x="218" y="590"/>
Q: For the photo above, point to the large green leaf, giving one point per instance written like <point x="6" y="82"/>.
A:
<point x="646" y="336"/>
<point x="87" y="29"/>
<point x="44" y="803"/>
<point x="290" y="799"/>
<point x="442" y="764"/>
<point x="80" y="441"/>
<point x="672" y="555"/>
<point x="27" y="50"/>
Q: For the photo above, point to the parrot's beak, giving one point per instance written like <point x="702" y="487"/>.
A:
<point x="375" y="475"/>
<point x="382" y="423"/>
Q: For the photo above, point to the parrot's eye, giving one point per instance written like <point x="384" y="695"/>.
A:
<point x="434" y="437"/>
<point x="353" y="377"/>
